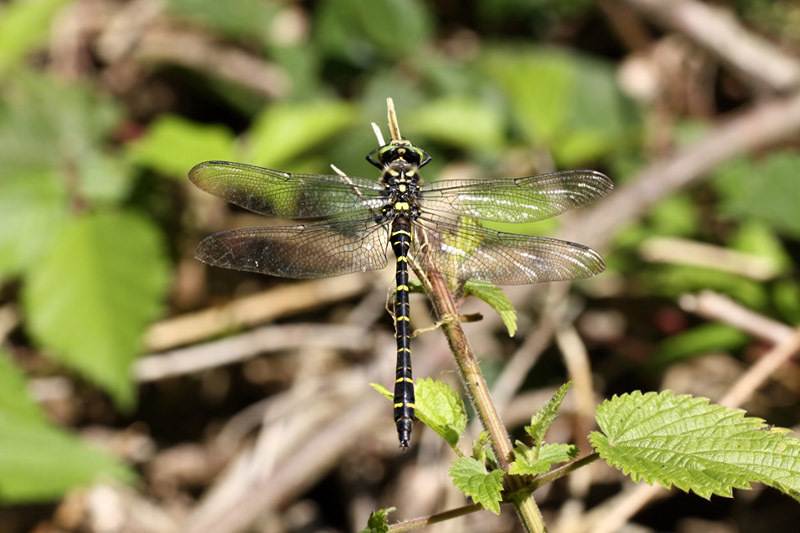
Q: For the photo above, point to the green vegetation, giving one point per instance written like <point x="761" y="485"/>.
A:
<point x="101" y="118"/>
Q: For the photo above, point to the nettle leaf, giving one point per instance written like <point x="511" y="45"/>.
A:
<point x="497" y="299"/>
<point x="471" y="478"/>
<point x="377" y="521"/>
<point x="540" y="422"/>
<point x="90" y="298"/>
<point x="440" y="408"/>
<point x="537" y="460"/>
<point x="437" y="406"/>
<point x="696" y="446"/>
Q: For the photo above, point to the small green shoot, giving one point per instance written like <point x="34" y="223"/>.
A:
<point x="437" y="406"/>
<point x="377" y="521"/>
<point x="472" y="478"/>
<point x="497" y="299"/>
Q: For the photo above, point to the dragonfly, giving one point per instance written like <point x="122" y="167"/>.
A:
<point x="347" y="224"/>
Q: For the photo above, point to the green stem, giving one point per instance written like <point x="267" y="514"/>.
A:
<point x="445" y="309"/>
<point x="416" y="523"/>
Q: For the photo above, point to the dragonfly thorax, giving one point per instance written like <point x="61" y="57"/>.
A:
<point x="401" y="183"/>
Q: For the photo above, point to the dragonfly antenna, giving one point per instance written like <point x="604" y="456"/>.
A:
<point x="394" y="129"/>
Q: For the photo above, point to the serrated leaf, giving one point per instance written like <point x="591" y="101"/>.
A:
<point x="537" y="460"/>
<point x="497" y="299"/>
<point x="39" y="462"/>
<point x="90" y="298"/>
<point x="173" y="145"/>
<point x="471" y="478"/>
<point x="440" y="408"/>
<point x="285" y="131"/>
<point x="696" y="446"/>
<point x="378" y="521"/>
<point x="540" y="422"/>
<point x="437" y="406"/>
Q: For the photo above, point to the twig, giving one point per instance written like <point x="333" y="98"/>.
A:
<point x="250" y="310"/>
<point x="717" y="30"/>
<point x="759" y="127"/>
<point x="713" y="306"/>
<point x="686" y="252"/>
<point x="249" y="344"/>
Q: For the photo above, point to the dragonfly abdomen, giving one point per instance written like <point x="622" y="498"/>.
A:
<point x="404" y="384"/>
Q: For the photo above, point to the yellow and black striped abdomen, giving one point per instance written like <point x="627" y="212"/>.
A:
<point x="404" y="385"/>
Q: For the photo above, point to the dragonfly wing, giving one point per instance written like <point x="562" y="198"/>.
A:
<point x="284" y="194"/>
<point x="470" y="252"/>
<point x="515" y="200"/>
<point x="305" y="251"/>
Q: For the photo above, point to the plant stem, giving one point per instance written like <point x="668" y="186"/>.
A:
<point x="445" y="309"/>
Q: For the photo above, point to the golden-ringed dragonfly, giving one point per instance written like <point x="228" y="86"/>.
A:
<point x="347" y="224"/>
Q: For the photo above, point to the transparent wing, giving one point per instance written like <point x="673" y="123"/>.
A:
<point x="515" y="199"/>
<point x="284" y="194"/>
<point x="314" y="250"/>
<point x="470" y="252"/>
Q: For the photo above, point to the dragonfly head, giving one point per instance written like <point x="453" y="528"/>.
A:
<point x="398" y="150"/>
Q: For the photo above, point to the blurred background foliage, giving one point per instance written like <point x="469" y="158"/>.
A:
<point x="105" y="105"/>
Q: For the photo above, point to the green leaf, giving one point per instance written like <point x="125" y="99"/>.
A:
<point x="73" y="122"/>
<point x="440" y="408"/>
<point x="377" y="521"/>
<point x="249" y="18"/>
<point x="533" y="461"/>
<point x="674" y="280"/>
<point x="540" y="422"/>
<point x="39" y="462"/>
<point x="437" y="406"/>
<point x="765" y="190"/>
<point x="91" y="297"/>
<point x="699" y="340"/>
<point x="24" y="26"/>
<point x="14" y="398"/>
<point x="31" y="205"/>
<point x="364" y="31"/>
<point x="471" y="478"/>
<point x="383" y="391"/>
<point x="461" y="122"/>
<point x="285" y="131"/>
<point x="758" y="239"/>
<point x="173" y="145"/>
<point x="696" y="446"/>
<point x="562" y="100"/>
<point x="497" y="299"/>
